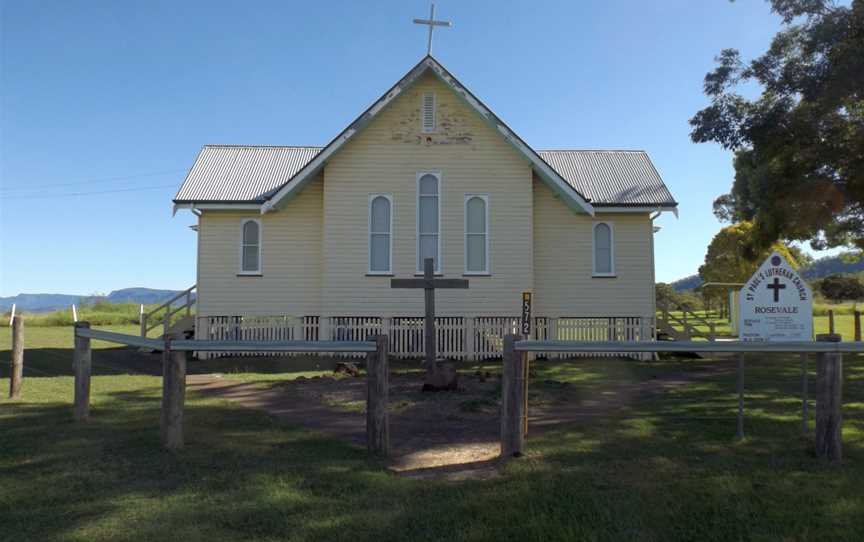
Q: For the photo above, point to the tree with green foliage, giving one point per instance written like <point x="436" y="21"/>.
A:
<point x="733" y="256"/>
<point x="841" y="288"/>
<point x="668" y="297"/>
<point x="799" y="145"/>
<point x="665" y="294"/>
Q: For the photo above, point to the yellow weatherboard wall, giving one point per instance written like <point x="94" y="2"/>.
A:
<point x="315" y="247"/>
<point x="290" y="260"/>
<point x="386" y="157"/>
<point x="563" y="273"/>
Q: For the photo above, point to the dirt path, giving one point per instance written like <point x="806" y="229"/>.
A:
<point x="450" y="434"/>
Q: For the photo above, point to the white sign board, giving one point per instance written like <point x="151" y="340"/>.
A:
<point x="775" y="304"/>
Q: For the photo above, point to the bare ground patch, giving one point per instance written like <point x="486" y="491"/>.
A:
<point x="446" y="434"/>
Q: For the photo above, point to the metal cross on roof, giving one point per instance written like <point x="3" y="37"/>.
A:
<point x="432" y="24"/>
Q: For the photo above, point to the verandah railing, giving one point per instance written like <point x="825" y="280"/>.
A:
<point x="460" y="337"/>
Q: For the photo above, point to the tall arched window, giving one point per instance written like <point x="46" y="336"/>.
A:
<point x="604" y="253"/>
<point x="380" y="233"/>
<point x="476" y="234"/>
<point x="250" y="246"/>
<point x="428" y="218"/>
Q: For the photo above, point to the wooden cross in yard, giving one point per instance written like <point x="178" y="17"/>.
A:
<point x="429" y="283"/>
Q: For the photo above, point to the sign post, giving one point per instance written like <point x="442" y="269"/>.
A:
<point x="525" y="329"/>
<point x="776" y="304"/>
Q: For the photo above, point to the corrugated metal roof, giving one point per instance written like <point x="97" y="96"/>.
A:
<point x="237" y="173"/>
<point x="234" y="173"/>
<point x="611" y="177"/>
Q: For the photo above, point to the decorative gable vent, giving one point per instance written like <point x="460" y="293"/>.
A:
<point x="428" y="112"/>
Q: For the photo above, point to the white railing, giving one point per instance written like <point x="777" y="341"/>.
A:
<point x="581" y="329"/>
<point x="148" y="324"/>
<point x="460" y="337"/>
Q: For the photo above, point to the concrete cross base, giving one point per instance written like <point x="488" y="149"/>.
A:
<point x="442" y="376"/>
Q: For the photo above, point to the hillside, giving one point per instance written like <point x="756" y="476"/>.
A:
<point x="687" y="283"/>
<point x="50" y="302"/>
<point x="822" y="267"/>
<point x="831" y="265"/>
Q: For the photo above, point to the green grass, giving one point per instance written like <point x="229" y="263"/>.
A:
<point x="666" y="467"/>
<point x="98" y="314"/>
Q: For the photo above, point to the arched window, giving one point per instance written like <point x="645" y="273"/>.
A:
<point x="250" y="246"/>
<point x="380" y="233"/>
<point x="476" y="234"/>
<point x="604" y="253"/>
<point x="428" y="218"/>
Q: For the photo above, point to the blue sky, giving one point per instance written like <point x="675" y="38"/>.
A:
<point x="105" y="105"/>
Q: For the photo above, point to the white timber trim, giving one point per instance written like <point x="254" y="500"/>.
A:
<point x="611" y="225"/>
<point x="389" y="271"/>
<point x="248" y="272"/>
<point x="439" y="265"/>
<point x="487" y="234"/>
<point x="627" y="209"/>
<point x="217" y="207"/>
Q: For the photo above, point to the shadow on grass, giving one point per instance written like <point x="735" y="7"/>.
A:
<point x="51" y="362"/>
<point x="656" y="473"/>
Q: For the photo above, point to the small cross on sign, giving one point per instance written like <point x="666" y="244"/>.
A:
<point x="432" y="24"/>
<point x="429" y="284"/>
<point x="776" y="286"/>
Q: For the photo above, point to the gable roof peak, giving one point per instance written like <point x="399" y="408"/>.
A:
<point x="558" y="184"/>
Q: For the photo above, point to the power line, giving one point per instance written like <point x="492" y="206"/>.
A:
<point x="93" y="181"/>
<point x="72" y="194"/>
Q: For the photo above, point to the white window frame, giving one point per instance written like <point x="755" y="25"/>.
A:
<point x="485" y="198"/>
<point x="423" y="111"/>
<point x="389" y="271"/>
<point x="611" y="226"/>
<point x="243" y="244"/>
<point x="419" y="264"/>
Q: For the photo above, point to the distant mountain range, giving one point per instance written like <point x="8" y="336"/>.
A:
<point x="818" y="269"/>
<point x="50" y="302"/>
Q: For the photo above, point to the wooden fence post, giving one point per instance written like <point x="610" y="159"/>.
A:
<point x="173" y="395"/>
<point x="16" y="368"/>
<point x="81" y="365"/>
<point x="805" y="417"/>
<point x="829" y="400"/>
<point x="858" y="326"/>
<point x="143" y="320"/>
<point x="512" y="400"/>
<point x="740" y="386"/>
<point x="377" y="398"/>
<point x="830" y="321"/>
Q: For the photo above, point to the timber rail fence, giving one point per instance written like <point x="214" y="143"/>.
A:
<point x="176" y="351"/>
<point x="829" y="379"/>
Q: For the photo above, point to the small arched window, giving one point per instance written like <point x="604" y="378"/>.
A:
<point x="380" y="233"/>
<point x="604" y="257"/>
<point x="476" y="234"/>
<point x="250" y="246"/>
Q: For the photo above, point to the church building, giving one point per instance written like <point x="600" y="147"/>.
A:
<point x="299" y="242"/>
